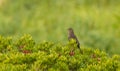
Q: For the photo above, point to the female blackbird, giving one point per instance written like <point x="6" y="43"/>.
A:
<point x="71" y="35"/>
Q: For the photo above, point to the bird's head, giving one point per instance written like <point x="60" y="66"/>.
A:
<point x="70" y="31"/>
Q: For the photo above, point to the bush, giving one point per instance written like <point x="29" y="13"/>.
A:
<point x="50" y="56"/>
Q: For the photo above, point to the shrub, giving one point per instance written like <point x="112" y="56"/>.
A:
<point x="50" y="56"/>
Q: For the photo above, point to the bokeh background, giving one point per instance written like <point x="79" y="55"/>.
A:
<point x="96" y="23"/>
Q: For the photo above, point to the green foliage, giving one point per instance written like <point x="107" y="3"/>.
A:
<point x="25" y="43"/>
<point x="50" y="56"/>
<point x="5" y="44"/>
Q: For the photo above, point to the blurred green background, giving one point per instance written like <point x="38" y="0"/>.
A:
<point x="96" y="23"/>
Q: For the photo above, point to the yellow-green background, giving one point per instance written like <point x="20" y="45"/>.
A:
<point x="96" y="22"/>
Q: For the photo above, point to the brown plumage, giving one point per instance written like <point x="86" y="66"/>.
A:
<point x="71" y="35"/>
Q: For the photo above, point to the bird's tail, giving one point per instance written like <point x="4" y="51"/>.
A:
<point x="80" y="49"/>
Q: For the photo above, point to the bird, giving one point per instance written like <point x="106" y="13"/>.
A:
<point x="71" y="35"/>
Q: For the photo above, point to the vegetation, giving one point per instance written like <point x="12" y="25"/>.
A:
<point x="24" y="54"/>
<point x="95" y="23"/>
